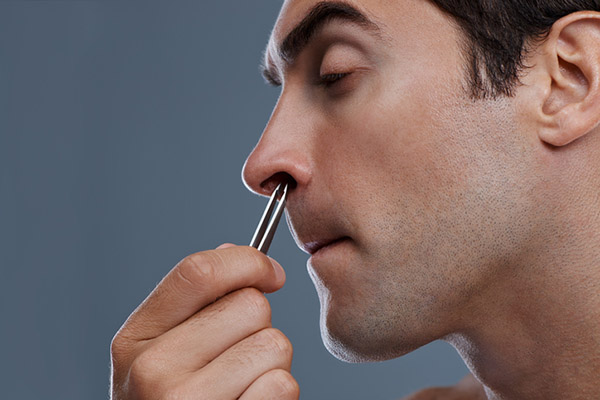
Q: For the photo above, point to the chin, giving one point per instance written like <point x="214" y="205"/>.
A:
<point x="363" y="341"/>
<point x="368" y="324"/>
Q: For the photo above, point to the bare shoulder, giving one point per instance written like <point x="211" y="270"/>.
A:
<point x="467" y="389"/>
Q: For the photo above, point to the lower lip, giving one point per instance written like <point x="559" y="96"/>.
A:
<point x="325" y="249"/>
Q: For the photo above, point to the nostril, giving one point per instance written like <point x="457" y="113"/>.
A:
<point x="270" y="184"/>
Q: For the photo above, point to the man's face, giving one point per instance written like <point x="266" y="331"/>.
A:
<point x="423" y="191"/>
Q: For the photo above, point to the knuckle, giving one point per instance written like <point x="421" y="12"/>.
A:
<point x="275" y="341"/>
<point x="121" y="347"/>
<point x="255" y="303"/>
<point x="117" y="346"/>
<point x="284" y="384"/>
<point x="144" y="370"/>
<point x="258" y="259"/>
<point x="198" y="270"/>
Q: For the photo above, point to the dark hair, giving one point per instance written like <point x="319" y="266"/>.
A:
<point x="497" y="34"/>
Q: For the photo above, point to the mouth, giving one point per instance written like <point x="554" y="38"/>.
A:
<point x="319" y="245"/>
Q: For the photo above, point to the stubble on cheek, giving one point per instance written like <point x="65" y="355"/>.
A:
<point x="422" y="187"/>
<point x="433" y="239"/>
<point x="383" y="304"/>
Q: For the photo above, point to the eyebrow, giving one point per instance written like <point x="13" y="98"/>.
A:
<point x="299" y="37"/>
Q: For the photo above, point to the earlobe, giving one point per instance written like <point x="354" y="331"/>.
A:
<point x="572" y="56"/>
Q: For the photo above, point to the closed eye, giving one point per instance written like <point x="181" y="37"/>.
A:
<point x="330" y="79"/>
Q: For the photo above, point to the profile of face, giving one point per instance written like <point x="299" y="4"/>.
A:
<point x="412" y="199"/>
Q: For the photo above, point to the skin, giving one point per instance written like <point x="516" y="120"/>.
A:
<point x="471" y="221"/>
<point x="475" y="222"/>
<point x="205" y="333"/>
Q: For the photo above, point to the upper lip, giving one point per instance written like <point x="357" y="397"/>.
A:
<point x="311" y="247"/>
<point x="313" y="227"/>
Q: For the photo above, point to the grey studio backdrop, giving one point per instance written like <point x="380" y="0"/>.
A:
<point x="123" y="130"/>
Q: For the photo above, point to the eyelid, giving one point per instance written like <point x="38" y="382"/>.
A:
<point x="330" y="79"/>
<point x="339" y="58"/>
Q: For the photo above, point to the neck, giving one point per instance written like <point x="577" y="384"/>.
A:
<point x="536" y="333"/>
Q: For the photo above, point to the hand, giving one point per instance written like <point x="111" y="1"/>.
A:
<point x="205" y="333"/>
<point x="468" y="388"/>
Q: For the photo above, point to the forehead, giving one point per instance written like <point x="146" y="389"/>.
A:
<point x="293" y="11"/>
<point x="393" y="18"/>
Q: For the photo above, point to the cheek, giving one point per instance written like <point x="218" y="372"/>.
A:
<point x="385" y="143"/>
<point x="389" y="164"/>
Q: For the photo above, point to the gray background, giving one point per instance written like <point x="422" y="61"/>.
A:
<point x="123" y="130"/>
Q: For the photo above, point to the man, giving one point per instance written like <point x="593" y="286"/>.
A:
<point x="444" y="158"/>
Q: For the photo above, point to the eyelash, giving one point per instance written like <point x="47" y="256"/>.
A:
<point x="330" y="79"/>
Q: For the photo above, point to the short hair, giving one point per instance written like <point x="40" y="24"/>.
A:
<point x="498" y="35"/>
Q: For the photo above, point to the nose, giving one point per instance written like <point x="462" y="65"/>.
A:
<point x="283" y="151"/>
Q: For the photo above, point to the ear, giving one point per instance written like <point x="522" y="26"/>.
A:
<point x="571" y="59"/>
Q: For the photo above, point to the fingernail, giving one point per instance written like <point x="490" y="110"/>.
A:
<point x="279" y="272"/>
<point x="225" y="246"/>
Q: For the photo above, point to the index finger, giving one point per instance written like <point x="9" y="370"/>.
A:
<point x="197" y="281"/>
